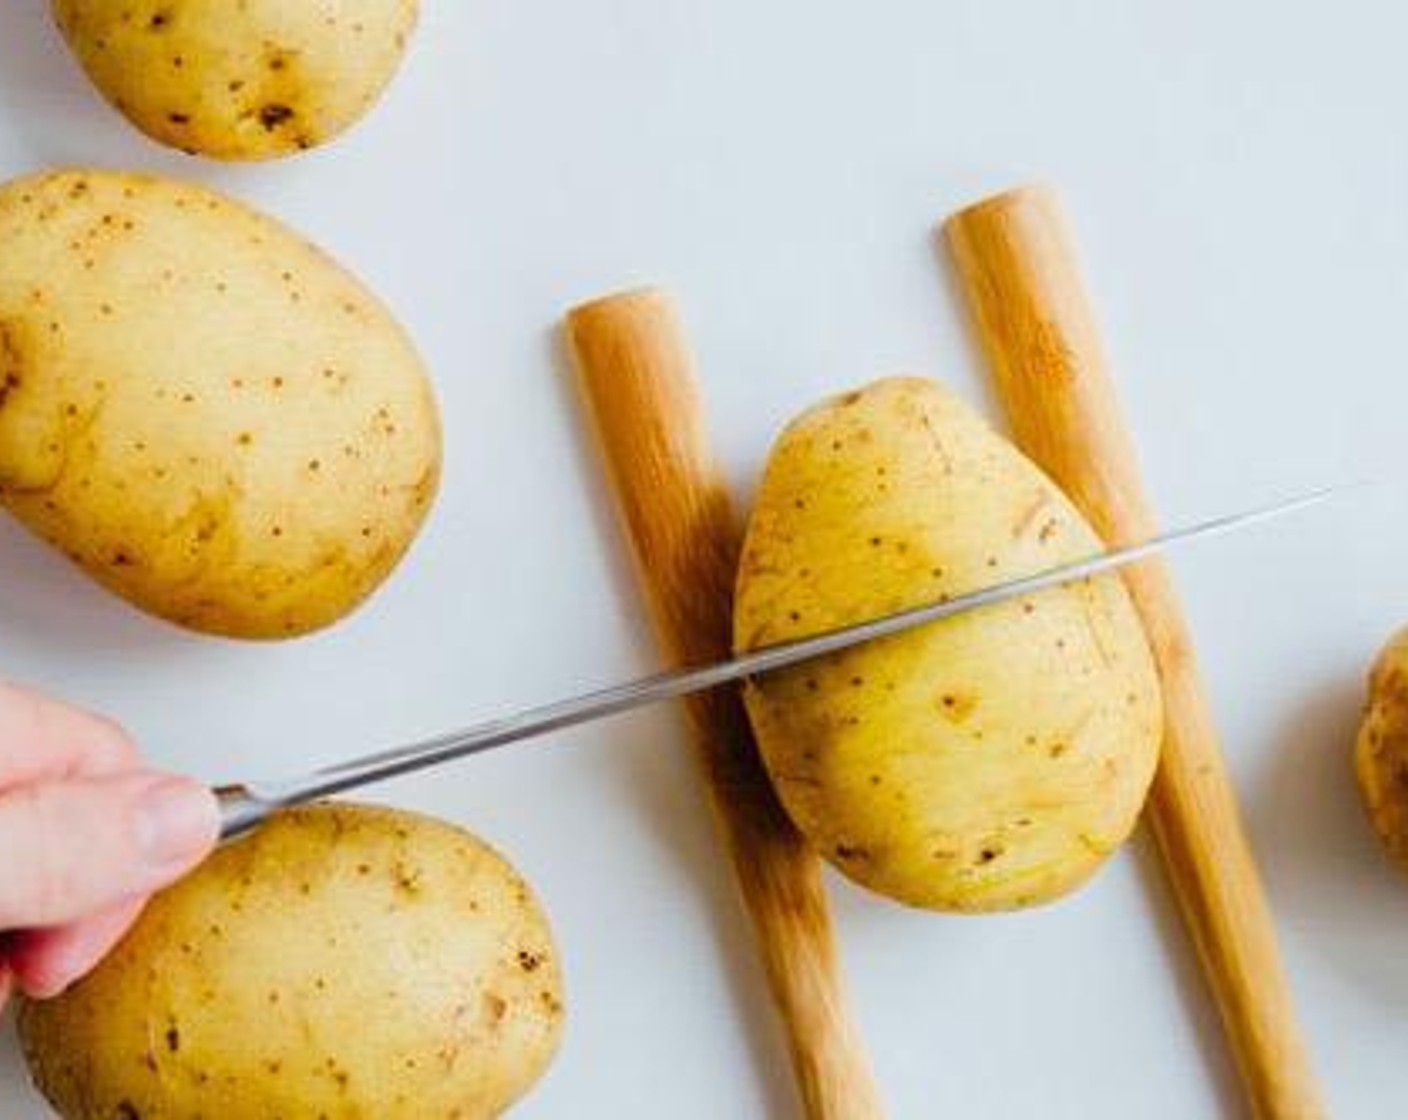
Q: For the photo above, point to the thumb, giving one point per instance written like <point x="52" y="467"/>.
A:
<point x="73" y="848"/>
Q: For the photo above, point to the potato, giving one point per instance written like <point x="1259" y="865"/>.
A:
<point x="246" y="81"/>
<point x="986" y="762"/>
<point x="1381" y="753"/>
<point x="344" y="961"/>
<point x="201" y="409"/>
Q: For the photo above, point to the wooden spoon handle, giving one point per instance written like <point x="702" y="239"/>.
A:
<point x="638" y="380"/>
<point x="1018" y="266"/>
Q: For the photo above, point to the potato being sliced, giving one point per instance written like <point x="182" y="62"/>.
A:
<point x="986" y="762"/>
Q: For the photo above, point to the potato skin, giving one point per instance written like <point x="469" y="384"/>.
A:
<point x="1381" y="752"/>
<point x="344" y="961"/>
<point x="204" y="411"/>
<point x="247" y="81"/>
<point x="987" y="762"/>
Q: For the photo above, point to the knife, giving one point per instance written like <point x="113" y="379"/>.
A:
<point x="245" y="806"/>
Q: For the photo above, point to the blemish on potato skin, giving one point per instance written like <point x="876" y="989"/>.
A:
<point x="272" y="116"/>
<point x="496" y="1007"/>
<point x="407" y="879"/>
<point x="957" y="706"/>
<point x="12" y="363"/>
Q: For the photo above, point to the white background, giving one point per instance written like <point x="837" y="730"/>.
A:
<point x="1238" y="175"/>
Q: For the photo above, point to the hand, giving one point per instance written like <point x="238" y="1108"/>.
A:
<point x="87" y="834"/>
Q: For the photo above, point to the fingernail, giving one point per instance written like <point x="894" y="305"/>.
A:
<point x="175" y="823"/>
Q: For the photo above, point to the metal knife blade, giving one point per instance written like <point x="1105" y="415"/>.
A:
<point x="245" y="806"/>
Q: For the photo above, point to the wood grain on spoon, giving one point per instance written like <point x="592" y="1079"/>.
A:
<point x="1017" y="264"/>
<point x="637" y="376"/>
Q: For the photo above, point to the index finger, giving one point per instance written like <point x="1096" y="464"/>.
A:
<point x="42" y="739"/>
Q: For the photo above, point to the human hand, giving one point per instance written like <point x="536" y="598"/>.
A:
<point x="87" y="834"/>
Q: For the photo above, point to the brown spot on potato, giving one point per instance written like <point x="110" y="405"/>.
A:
<point x="272" y="116"/>
<point x="957" y="706"/>
<point x="1028" y="515"/>
<point x="406" y="878"/>
<point x="12" y="362"/>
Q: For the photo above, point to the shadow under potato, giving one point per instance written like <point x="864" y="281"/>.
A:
<point x="675" y="813"/>
<point x="44" y="96"/>
<point x="13" y="1073"/>
<point x="48" y="605"/>
<point x="1348" y="903"/>
<point x="52" y="110"/>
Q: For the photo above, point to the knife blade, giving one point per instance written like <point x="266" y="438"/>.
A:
<point x="244" y="806"/>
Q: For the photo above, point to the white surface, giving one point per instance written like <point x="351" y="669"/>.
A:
<point x="1238" y="176"/>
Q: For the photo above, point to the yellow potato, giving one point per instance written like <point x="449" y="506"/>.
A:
<point x="986" y="762"/>
<point x="344" y="961"/>
<point x="1381" y="754"/>
<point x="201" y="409"/>
<point x="245" y="81"/>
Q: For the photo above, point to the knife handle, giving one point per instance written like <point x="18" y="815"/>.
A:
<point x="241" y="811"/>
<point x="637" y="376"/>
